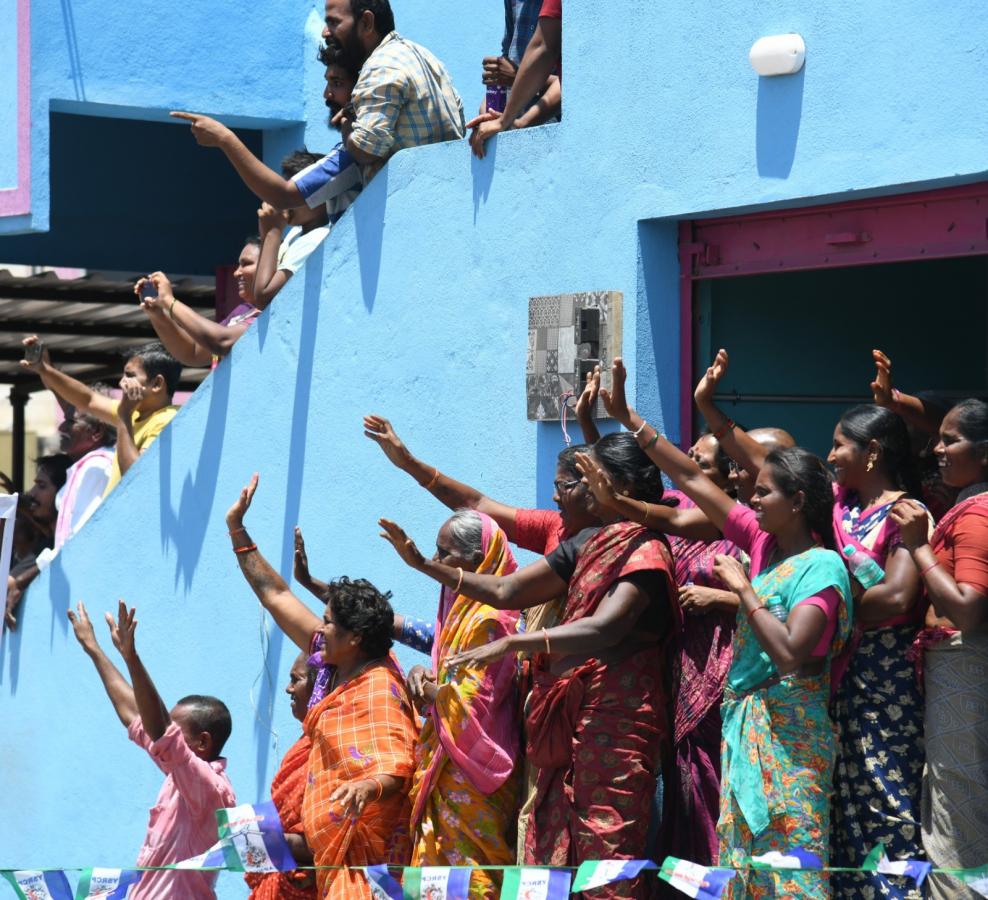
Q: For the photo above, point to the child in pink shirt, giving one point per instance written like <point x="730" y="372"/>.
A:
<point x="185" y="744"/>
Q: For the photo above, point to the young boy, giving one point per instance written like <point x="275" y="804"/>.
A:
<point x="150" y="377"/>
<point x="334" y="180"/>
<point x="185" y="743"/>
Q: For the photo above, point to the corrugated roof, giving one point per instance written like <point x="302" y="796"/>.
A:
<point x="88" y="323"/>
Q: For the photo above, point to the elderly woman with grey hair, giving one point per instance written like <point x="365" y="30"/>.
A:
<point x="465" y="789"/>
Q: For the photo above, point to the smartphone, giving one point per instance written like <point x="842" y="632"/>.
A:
<point x="32" y="352"/>
<point x="148" y="291"/>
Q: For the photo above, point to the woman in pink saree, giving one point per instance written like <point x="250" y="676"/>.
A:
<point x="465" y="788"/>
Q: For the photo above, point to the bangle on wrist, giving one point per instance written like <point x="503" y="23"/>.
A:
<point x="171" y="309"/>
<point x="653" y="442"/>
<point x="459" y="581"/>
<point x="930" y="567"/>
<point x="234" y="531"/>
<point x="640" y="429"/>
<point x="750" y="614"/>
<point x="247" y="548"/>
<point x="433" y="480"/>
<point x="726" y="427"/>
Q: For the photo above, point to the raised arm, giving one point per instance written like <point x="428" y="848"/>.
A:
<point x="121" y="694"/>
<point x="215" y="338"/>
<point x="448" y="491"/>
<point x="178" y="342"/>
<point x="744" y="450"/>
<point x="269" y="279"/>
<point x="291" y="614"/>
<point x="69" y="389"/>
<point x="301" y="570"/>
<point x="686" y="474"/>
<point x="127" y="452"/>
<point x="267" y="184"/>
<point x="691" y="523"/>
<point x="154" y="714"/>
<point x="529" y="586"/>
<point x="924" y="417"/>
<point x="585" y="405"/>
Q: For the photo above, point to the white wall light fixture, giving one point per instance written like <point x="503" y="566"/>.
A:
<point x="778" y="54"/>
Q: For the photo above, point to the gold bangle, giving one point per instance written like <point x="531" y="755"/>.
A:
<point x="545" y="635"/>
<point x="380" y="788"/>
<point x="647" y="511"/>
<point x="434" y="479"/>
<point x="459" y="581"/>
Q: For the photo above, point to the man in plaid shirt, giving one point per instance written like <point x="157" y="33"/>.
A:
<point x="404" y="96"/>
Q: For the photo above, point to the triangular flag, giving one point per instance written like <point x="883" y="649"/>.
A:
<point x="595" y="874"/>
<point x="878" y="861"/>
<point x="975" y="879"/>
<point x="214" y="858"/>
<point x="31" y="885"/>
<point x="525" y="883"/>
<point x="793" y="858"/>
<point x="383" y="885"/>
<point x="257" y="837"/>
<point x="436" y="883"/>
<point x="106" y="884"/>
<point x="695" y="880"/>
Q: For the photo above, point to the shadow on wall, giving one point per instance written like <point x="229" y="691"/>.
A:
<point x="72" y="46"/>
<point x="269" y="689"/>
<point x="483" y="175"/>
<point x="186" y="528"/>
<point x="368" y="222"/>
<point x="780" y="108"/>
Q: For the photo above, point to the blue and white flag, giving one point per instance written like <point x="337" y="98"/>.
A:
<point x="30" y="885"/>
<point x="793" y="858"/>
<point x="256" y="835"/>
<point x="106" y="884"/>
<point x="436" y="883"/>
<point x="877" y="861"/>
<point x="595" y="874"/>
<point x="383" y="885"/>
<point x="695" y="880"/>
<point x="975" y="879"/>
<point x="523" y="883"/>
<point x="214" y="858"/>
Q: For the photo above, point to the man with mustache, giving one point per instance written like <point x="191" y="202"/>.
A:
<point x="404" y="96"/>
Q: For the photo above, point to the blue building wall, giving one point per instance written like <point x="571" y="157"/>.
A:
<point x="417" y="310"/>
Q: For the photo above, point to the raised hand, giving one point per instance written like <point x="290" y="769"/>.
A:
<point x="301" y="559"/>
<point x="614" y="399"/>
<point x="207" y="132"/>
<point x="379" y="430"/>
<point x="235" y="514"/>
<point x="43" y="362"/>
<point x="882" y="391"/>
<point x="403" y="544"/>
<point x="123" y="629"/>
<point x="587" y="401"/>
<point x="599" y="481"/>
<point x="82" y="627"/>
<point x="271" y="219"/>
<point x="707" y="386"/>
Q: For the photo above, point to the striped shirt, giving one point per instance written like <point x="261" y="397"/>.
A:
<point x="520" y="19"/>
<point x="404" y="97"/>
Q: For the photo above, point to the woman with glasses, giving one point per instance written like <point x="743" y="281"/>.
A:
<point x="596" y="718"/>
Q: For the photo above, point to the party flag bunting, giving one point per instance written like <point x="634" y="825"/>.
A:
<point x="257" y="837"/>
<point x="436" y="883"/>
<point x="595" y="874"/>
<point x="695" y="880"/>
<point x="29" y="885"/>
<point x="383" y="885"/>
<point x="106" y="884"/>
<point x="877" y="861"/>
<point x="975" y="879"/>
<point x="523" y="883"/>
<point x="216" y="857"/>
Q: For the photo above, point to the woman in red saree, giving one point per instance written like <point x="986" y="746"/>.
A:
<point x="596" y="720"/>
<point x="287" y="791"/>
<point x="362" y="730"/>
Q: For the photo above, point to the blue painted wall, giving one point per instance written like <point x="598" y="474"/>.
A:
<point x="417" y="310"/>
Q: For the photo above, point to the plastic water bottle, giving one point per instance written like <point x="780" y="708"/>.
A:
<point x="777" y="608"/>
<point x="865" y="570"/>
<point x="497" y="98"/>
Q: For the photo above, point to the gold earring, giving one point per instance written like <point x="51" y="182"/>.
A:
<point x="871" y="464"/>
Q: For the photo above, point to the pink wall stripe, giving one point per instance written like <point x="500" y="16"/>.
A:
<point x="17" y="201"/>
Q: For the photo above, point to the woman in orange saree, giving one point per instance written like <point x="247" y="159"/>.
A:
<point x="287" y="791"/>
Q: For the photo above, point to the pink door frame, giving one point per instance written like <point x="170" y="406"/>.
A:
<point x="927" y="225"/>
<point x="16" y="201"/>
